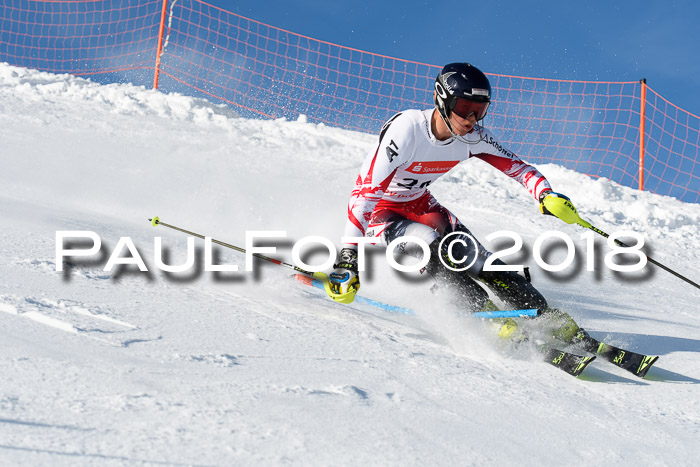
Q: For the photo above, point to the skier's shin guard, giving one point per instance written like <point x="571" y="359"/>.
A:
<point x="513" y="289"/>
<point x="561" y="325"/>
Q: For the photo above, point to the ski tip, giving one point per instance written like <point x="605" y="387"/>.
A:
<point x="645" y="366"/>
<point x="582" y="365"/>
<point x="568" y="362"/>
<point x="155" y="221"/>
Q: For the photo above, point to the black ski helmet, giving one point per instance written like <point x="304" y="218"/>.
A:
<point x="461" y="80"/>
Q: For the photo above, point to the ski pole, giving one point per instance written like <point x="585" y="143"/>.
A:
<point x="156" y="222"/>
<point x="571" y="216"/>
<point x="588" y="225"/>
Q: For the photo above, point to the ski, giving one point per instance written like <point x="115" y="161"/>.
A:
<point x="636" y="363"/>
<point x="570" y="363"/>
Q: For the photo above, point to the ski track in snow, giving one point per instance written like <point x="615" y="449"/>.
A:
<point x="125" y="367"/>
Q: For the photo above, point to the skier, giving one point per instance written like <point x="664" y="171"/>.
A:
<point x="391" y="197"/>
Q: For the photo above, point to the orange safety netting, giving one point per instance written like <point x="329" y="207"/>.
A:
<point x="589" y="126"/>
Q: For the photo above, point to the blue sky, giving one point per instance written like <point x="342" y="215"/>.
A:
<point x="594" y="40"/>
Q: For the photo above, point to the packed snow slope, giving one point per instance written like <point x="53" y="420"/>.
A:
<point x="251" y="368"/>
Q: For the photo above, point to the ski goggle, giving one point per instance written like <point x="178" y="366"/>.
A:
<point x="464" y="108"/>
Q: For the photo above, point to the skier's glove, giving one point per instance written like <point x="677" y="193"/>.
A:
<point x="558" y="205"/>
<point x="344" y="281"/>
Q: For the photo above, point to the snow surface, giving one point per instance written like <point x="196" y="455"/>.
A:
<point x="204" y="368"/>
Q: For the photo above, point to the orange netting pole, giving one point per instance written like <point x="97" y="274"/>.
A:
<point x="159" y="47"/>
<point x="642" y="115"/>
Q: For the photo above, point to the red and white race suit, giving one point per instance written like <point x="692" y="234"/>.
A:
<point x="397" y="173"/>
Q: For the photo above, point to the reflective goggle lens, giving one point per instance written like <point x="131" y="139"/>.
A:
<point x="464" y="108"/>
